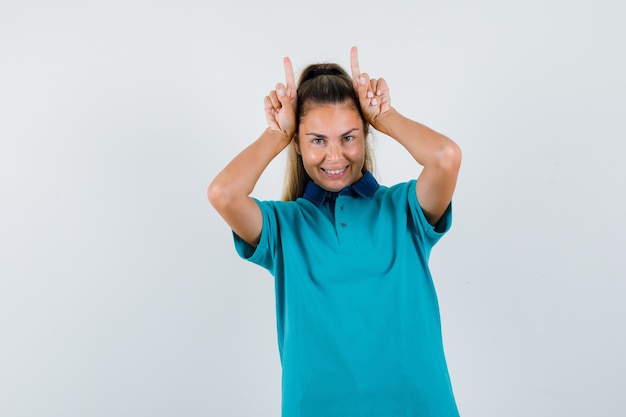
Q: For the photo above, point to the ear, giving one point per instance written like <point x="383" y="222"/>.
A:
<point x="296" y="145"/>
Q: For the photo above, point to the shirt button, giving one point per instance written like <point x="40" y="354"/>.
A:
<point x="342" y="224"/>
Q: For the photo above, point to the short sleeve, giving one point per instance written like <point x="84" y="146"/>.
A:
<point x="430" y="232"/>
<point x="262" y="255"/>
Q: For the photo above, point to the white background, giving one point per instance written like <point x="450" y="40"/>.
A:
<point x="120" y="290"/>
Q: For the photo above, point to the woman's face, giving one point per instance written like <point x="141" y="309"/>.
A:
<point x="331" y="140"/>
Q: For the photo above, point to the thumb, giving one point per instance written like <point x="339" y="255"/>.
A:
<point x="286" y="96"/>
<point x="363" y="88"/>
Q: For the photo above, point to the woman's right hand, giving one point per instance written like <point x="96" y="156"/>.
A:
<point x="280" y="104"/>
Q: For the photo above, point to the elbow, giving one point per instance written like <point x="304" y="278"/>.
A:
<point x="223" y="193"/>
<point x="449" y="157"/>
<point x="217" y="194"/>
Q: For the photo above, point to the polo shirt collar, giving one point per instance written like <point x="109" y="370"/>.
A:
<point x="365" y="187"/>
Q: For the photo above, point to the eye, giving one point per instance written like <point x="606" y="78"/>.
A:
<point x="317" y="141"/>
<point x="348" y="138"/>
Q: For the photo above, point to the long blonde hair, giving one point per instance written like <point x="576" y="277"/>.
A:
<point x="319" y="84"/>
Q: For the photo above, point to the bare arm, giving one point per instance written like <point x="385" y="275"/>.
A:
<point x="439" y="156"/>
<point x="230" y="191"/>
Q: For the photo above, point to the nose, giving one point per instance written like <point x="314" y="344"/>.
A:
<point x="333" y="151"/>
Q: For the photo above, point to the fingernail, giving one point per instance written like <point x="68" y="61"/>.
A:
<point x="374" y="102"/>
<point x="370" y="94"/>
<point x="281" y="92"/>
<point x="362" y="80"/>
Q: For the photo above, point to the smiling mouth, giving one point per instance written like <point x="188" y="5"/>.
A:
<point x="335" y="171"/>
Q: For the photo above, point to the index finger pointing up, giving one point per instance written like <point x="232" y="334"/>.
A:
<point x="290" y="79"/>
<point x="354" y="65"/>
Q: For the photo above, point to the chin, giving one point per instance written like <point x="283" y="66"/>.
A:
<point x="336" y="186"/>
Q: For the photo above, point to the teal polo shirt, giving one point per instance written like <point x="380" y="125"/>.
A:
<point x="358" y="324"/>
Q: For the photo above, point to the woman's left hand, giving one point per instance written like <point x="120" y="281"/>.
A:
<point x="373" y="93"/>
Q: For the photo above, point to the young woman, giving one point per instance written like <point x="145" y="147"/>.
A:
<point x="358" y="322"/>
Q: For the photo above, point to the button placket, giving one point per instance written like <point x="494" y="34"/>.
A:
<point x="342" y="224"/>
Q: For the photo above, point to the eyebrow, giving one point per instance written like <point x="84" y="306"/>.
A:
<point x="319" y="135"/>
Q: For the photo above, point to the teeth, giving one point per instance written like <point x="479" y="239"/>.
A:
<point x="334" y="171"/>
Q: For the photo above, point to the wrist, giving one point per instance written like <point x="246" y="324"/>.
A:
<point x="385" y="121"/>
<point x="279" y="137"/>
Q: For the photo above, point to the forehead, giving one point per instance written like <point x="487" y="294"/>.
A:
<point x="330" y="118"/>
